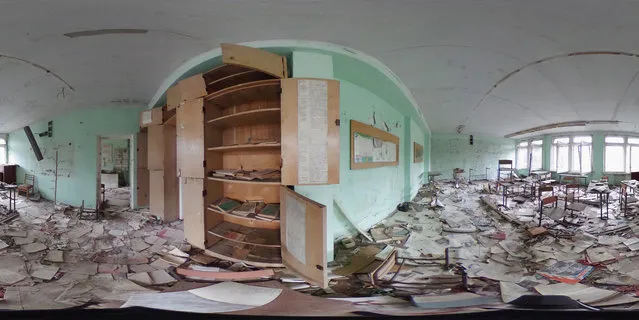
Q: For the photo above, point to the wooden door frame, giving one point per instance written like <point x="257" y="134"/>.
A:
<point x="132" y="164"/>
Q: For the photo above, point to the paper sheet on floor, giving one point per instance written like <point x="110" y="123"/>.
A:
<point x="181" y="301"/>
<point x="237" y="293"/>
<point x="511" y="291"/>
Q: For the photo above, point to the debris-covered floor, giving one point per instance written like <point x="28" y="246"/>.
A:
<point x="457" y="251"/>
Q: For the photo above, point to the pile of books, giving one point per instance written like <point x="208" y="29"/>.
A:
<point x="261" y="175"/>
<point x="249" y="209"/>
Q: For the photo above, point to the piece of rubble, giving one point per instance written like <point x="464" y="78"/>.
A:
<point x="138" y="244"/>
<point x="3" y="245"/>
<point x="140" y="278"/>
<point x="138" y="268"/>
<point x="34" y="247"/>
<point x="161" y="277"/>
<point x="44" y="272"/>
<point x="18" y="241"/>
<point x="203" y="259"/>
<point x="15" y="233"/>
<point x="160" y="264"/>
<point x="112" y="268"/>
<point x="55" y="256"/>
<point x="12" y="270"/>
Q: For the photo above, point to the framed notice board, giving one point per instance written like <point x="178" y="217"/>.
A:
<point x="418" y="152"/>
<point x="372" y="147"/>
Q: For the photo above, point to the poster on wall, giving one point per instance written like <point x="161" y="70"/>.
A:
<point x="418" y="152"/>
<point x="372" y="147"/>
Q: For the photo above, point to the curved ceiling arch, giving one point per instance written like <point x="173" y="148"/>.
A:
<point x="212" y="58"/>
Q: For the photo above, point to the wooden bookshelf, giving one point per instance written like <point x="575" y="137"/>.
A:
<point x="249" y="221"/>
<point x="245" y="147"/>
<point x="247" y="235"/>
<point x="247" y="118"/>
<point x="259" y="256"/>
<point x="235" y="79"/>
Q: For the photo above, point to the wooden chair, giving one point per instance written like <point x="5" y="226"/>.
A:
<point x="28" y="185"/>
<point x="626" y="197"/>
<point x="553" y="212"/>
<point x="572" y="203"/>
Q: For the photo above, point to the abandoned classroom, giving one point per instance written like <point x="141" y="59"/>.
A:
<point x="464" y="180"/>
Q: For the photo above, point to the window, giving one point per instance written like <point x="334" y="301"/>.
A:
<point x="571" y="154"/>
<point x="3" y="150"/>
<point x="621" y="154"/>
<point x="527" y="148"/>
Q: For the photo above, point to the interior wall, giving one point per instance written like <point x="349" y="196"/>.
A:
<point x="75" y="137"/>
<point x="450" y="151"/>
<point x="417" y="170"/>
<point x="367" y="195"/>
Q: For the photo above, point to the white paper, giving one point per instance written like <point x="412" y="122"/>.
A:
<point x="147" y="117"/>
<point x="181" y="301"/>
<point x="312" y="132"/>
<point x="296" y="228"/>
<point x="237" y="293"/>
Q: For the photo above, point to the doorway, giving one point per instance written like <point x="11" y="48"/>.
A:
<point x="115" y="172"/>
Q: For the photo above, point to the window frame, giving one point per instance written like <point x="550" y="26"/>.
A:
<point x="554" y="149"/>
<point x="529" y="149"/>
<point x="627" y="152"/>
<point x="4" y="145"/>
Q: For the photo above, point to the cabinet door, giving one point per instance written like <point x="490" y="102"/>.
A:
<point x="142" y="189"/>
<point x="303" y="236"/>
<point x="190" y="139"/>
<point x="156" y="193"/>
<point x="193" y="209"/>
<point x="310" y="131"/>
<point x="253" y="58"/>
<point x="155" y="159"/>
<point x="142" y="152"/>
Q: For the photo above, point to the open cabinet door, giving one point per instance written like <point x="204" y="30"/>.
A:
<point x="190" y="139"/>
<point x="253" y="58"/>
<point x="142" y="180"/>
<point x="303" y="236"/>
<point x="310" y="131"/>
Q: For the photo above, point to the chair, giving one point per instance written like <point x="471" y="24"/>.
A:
<point x="571" y="202"/>
<point x="553" y="212"/>
<point x="28" y="185"/>
<point x="625" y="198"/>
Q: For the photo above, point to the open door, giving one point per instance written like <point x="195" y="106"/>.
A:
<point x="142" y="188"/>
<point x="303" y="236"/>
<point x="253" y="58"/>
<point x="310" y="131"/>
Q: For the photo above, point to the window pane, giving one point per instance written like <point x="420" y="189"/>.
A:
<point x="614" y="140"/>
<point x="538" y="142"/>
<point x="523" y="144"/>
<point x="586" y="159"/>
<point x="3" y="141"/>
<point x="562" y="159"/>
<point x="580" y="139"/>
<point x="536" y="158"/>
<point x="634" y="159"/>
<point x="3" y="155"/>
<point x="633" y="140"/>
<point x="613" y="161"/>
<point x="553" y="158"/>
<point x="522" y="158"/>
<point x="561" y="140"/>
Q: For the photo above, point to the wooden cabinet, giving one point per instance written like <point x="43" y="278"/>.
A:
<point x="9" y="173"/>
<point x="142" y="187"/>
<point x="162" y="170"/>
<point x="254" y="119"/>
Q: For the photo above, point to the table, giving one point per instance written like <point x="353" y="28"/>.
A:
<point x="577" y="176"/>
<point x="432" y="175"/>
<point x="601" y="194"/>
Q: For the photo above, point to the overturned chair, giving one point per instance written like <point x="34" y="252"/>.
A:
<point x="554" y="212"/>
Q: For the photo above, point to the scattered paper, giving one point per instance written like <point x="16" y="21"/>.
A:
<point x="44" y="272"/>
<point x="182" y="301"/>
<point x="511" y="291"/>
<point x="237" y="293"/>
<point x="566" y="272"/>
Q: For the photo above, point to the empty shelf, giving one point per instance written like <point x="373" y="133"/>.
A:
<point x="248" y="221"/>
<point x="245" y="181"/>
<point x="245" y="147"/>
<point x="259" y="116"/>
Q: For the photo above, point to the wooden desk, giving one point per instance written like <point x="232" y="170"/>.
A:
<point x="576" y="176"/>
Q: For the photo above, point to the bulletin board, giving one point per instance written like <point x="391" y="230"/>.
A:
<point x="372" y="147"/>
<point x="418" y="152"/>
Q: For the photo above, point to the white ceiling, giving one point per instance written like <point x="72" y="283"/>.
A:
<point x="449" y="53"/>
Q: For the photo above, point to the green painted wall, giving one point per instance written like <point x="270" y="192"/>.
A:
<point x="75" y="136"/>
<point x="449" y="151"/>
<point x="417" y="172"/>
<point x="367" y="195"/>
